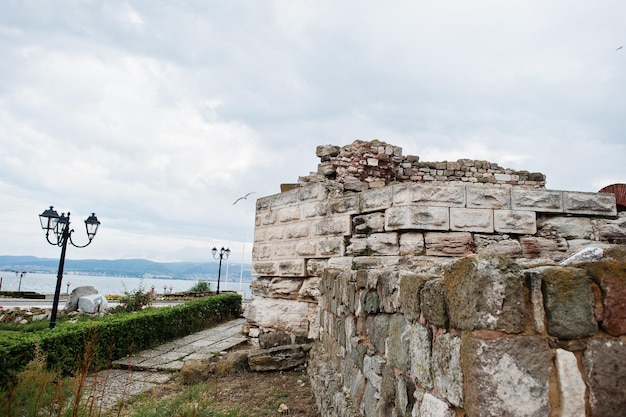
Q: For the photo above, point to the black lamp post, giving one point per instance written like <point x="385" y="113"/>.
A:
<point x="223" y="253"/>
<point x="60" y="225"/>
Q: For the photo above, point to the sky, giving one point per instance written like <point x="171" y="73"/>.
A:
<point x="158" y="114"/>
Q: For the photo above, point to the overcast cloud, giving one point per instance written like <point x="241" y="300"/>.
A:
<point x="158" y="115"/>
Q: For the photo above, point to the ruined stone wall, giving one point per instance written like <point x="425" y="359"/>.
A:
<point x="445" y="298"/>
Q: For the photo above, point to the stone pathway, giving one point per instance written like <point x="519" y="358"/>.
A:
<point x="135" y="374"/>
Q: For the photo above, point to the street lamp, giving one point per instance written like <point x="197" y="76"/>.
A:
<point x="223" y="253"/>
<point x="60" y="225"/>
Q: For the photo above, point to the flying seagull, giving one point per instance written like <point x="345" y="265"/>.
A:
<point x="245" y="197"/>
<point x="619" y="48"/>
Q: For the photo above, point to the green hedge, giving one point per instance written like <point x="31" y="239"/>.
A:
<point x="72" y="346"/>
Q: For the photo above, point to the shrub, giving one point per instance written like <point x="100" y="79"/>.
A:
<point x="201" y="286"/>
<point x="136" y="299"/>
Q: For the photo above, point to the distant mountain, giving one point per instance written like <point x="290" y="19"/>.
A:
<point x="123" y="267"/>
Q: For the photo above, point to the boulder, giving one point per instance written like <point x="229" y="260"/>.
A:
<point x="93" y="303"/>
<point x="278" y="359"/>
<point x="72" y="302"/>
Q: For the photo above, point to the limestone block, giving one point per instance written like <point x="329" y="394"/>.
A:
<point x="261" y="252"/>
<point x="312" y="192"/>
<point x="410" y="286"/>
<point x="335" y="226"/>
<point x="378" y="330"/>
<point x="515" y="221"/>
<point x="507" y="377"/>
<point x="326" y="151"/>
<point x="376" y="200"/>
<point x="569" y="302"/>
<point x="540" y="247"/>
<point x="274" y="234"/>
<point x="546" y="201"/>
<point x="429" y="195"/>
<point x="497" y="245"/>
<point x="449" y="244"/>
<point x="587" y="254"/>
<point x="398" y="342"/>
<point x="485" y="292"/>
<point x="411" y="243"/>
<point x="283" y="250"/>
<point x="589" y="203"/>
<point x="404" y="399"/>
<point x="309" y="290"/>
<point x="610" y="275"/>
<point x="373" y="370"/>
<point x="417" y="217"/>
<point x="276" y="287"/>
<point x="259" y="234"/>
<point x="419" y="340"/>
<point x="331" y="246"/>
<point x="76" y="294"/>
<point x="283" y="199"/>
<point x="315" y="267"/>
<point x="485" y="196"/>
<point x="606" y="376"/>
<point x="93" y="303"/>
<point x="447" y="372"/>
<point x="571" y="385"/>
<point x="471" y="220"/>
<point x="345" y="205"/>
<point x="264" y="268"/>
<point x="568" y="227"/>
<point x="279" y="314"/>
<point x="279" y="358"/>
<point x="384" y="244"/>
<point x="369" y="223"/>
<point x="433" y="302"/>
<point x="315" y="209"/>
<point x="357" y="246"/>
<point x="533" y="278"/>
<point x="389" y="288"/>
<point x="374" y="262"/>
<point x="611" y="230"/>
<point x="266" y="218"/>
<point x="289" y="214"/>
<point x="292" y="268"/>
<point x="434" y="407"/>
<point x="306" y="248"/>
<point x="314" y="322"/>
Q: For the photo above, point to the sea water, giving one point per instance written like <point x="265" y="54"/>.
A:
<point x="46" y="283"/>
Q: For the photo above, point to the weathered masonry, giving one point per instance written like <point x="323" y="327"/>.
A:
<point x="440" y="289"/>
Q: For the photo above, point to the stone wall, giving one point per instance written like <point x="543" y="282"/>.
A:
<point x="443" y="298"/>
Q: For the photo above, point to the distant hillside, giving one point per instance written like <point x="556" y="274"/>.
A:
<point x="122" y="267"/>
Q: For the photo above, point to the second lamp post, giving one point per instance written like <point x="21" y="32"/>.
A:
<point x="222" y="254"/>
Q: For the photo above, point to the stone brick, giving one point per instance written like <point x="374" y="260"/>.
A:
<point x="273" y="234"/>
<point x="419" y="342"/>
<point x="589" y="203"/>
<point x="411" y="243"/>
<point x="569" y="302"/>
<point x="485" y="292"/>
<point x="447" y="372"/>
<point x="383" y="244"/>
<point x="315" y="209"/>
<point x="266" y="218"/>
<point x="488" y="197"/>
<point x="611" y="230"/>
<point x="312" y="192"/>
<point x="449" y="244"/>
<point x="515" y="221"/>
<point x="306" y="248"/>
<point x="283" y="250"/>
<point x="376" y="200"/>
<point x="540" y="247"/>
<point x="283" y="199"/>
<point x="506" y="377"/>
<point x="276" y="287"/>
<point x="293" y="268"/>
<point x="357" y="246"/>
<point x="345" y="205"/>
<point x="534" y="282"/>
<point x="279" y="314"/>
<point x="315" y="267"/>
<point x="262" y="268"/>
<point x="369" y="223"/>
<point x="336" y="226"/>
<point x="471" y="220"/>
<point x="434" y="407"/>
<point x="610" y="275"/>
<point x="547" y="201"/>
<point x="497" y="245"/>
<point x="571" y="385"/>
<point x="569" y="227"/>
<point x="289" y="214"/>
<point x="429" y="195"/>
<point x="417" y="217"/>
<point x="410" y="287"/>
<point x="606" y="376"/>
<point x="433" y="303"/>
<point x="331" y="246"/>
